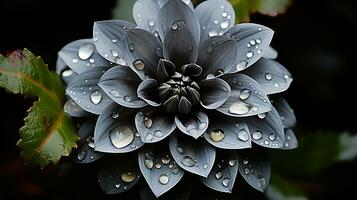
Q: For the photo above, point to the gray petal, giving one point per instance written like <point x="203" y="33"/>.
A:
<point x="223" y="175"/>
<point x="217" y="56"/>
<point x="253" y="40"/>
<point x="193" y="125"/>
<point x="81" y="55"/>
<point x="154" y="125"/>
<point x="228" y="133"/>
<point x="179" y="45"/>
<point x="271" y="75"/>
<point x="267" y="129"/>
<point x="85" y="151"/>
<point x="117" y="174"/>
<point x="286" y="113"/>
<point x="193" y="156"/>
<point x="182" y="191"/>
<point x="120" y="84"/>
<point x="176" y="11"/>
<point x="145" y="14"/>
<point x="291" y="141"/>
<point x="191" y="70"/>
<point x="214" y="93"/>
<point x="184" y="106"/>
<point x="115" y="131"/>
<point x="142" y="52"/>
<point x="159" y="170"/>
<point x="165" y="69"/>
<point x="215" y="16"/>
<point x="109" y="39"/>
<point x="270" y="53"/>
<point x="147" y="91"/>
<point x="67" y="75"/>
<point x="73" y="110"/>
<point x="84" y="90"/>
<point x="255" y="169"/>
<point x="247" y="97"/>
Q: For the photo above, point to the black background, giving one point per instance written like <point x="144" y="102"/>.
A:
<point x="316" y="40"/>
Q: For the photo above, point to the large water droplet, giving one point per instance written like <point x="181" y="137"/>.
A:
<point x="175" y="26"/>
<point x="128" y="177"/>
<point x="268" y="76"/>
<point x="232" y="162"/>
<point x="188" y="161"/>
<point x="272" y="136"/>
<point x="243" y="135"/>
<point x="219" y="175"/>
<point x="147" y="122"/>
<point x="239" y="108"/>
<point x="121" y="137"/>
<point x="244" y="94"/>
<point x="114" y="53"/>
<point x="127" y="98"/>
<point x="85" y="51"/>
<point x="149" y="163"/>
<point x="250" y="54"/>
<point x="166" y="159"/>
<point x="242" y="65"/>
<point x="257" y="135"/>
<point x="148" y="137"/>
<point x="225" y="182"/>
<point x="96" y="97"/>
<point x="225" y="24"/>
<point x="67" y="73"/>
<point x="115" y="115"/>
<point x="81" y="155"/>
<point x="217" y="135"/>
<point x="164" y="179"/>
<point x="139" y="64"/>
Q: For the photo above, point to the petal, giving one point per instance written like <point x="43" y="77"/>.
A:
<point x="84" y="90"/>
<point x="267" y="129"/>
<point x="191" y="69"/>
<point x="179" y="45"/>
<point x="214" y="93"/>
<point x="196" y="157"/>
<point x="228" y="133"/>
<point x="120" y="84"/>
<point x="154" y="125"/>
<point x="109" y="39"/>
<point x="223" y="175"/>
<point x="142" y="52"/>
<point x="73" y="110"/>
<point x="255" y="169"/>
<point x="176" y="11"/>
<point x="253" y="40"/>
<point x="145" y="14"/>
<point x="291" y="141"/>
<point x="247" y="97"/>
<point x="170" y="105"/>
<point x="184" y="106"/>
<point x="193" y="125"/>
<point x="68" y="75"/>
<point x="118" y="174"/>
<point x="159" y="170"/>
<point x="147" y="91"/>
<point x="215" y="16"/>
<point x="115" y="131"/>
<point x="85" y="151"/>
<point x="217" y="56"/>
<point x="270" y="53"/>
<point x="81" y="55"/>
<point x="271" y="75"/>
<point x="286" y="113"/>
<point x="165" y="69"/>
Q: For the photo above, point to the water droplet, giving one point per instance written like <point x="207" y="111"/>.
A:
<point x="219" y="175"/>
<point x="90" y="141"/>
<point x="121" y="137"/>
<point x="114" y="40"/>
<point x="225" y="182"/>
<point x="239" y="108"/>
<point x="250" y="54"/>
<point x="147" y="122"/>
<point x="202" y="125"/>
<point x="262" y="115"/>
<point x="139" y="64"/>
<point x="164" y="179"/>
<point x="166" y="159"/>
<point x="242" y="65"/>
<point x="205" y="166"/>
<point x="86" y="51"/>
<point x="224" y="14"/>
<point x="276" y="84"/>
<point x="245" y="162"/>
<point x="225" y="24"/>
<point x="81" y="155"/>
<point x="148" y="137"/>
<point x="252" y="42"/>
<point x="257" y="135"/>
<point x="246" y="171"/>
<point x="149" y="163"/>
<point x="127" y="98"/>
<point x="75" y="60"/>
<point x="212" y="33"/>
<point x="91" y="60"/>
<point x="262" y="183"/>
<point x="116" y="185"/>
<point x="128" y="177"/>
<point x="67" y="73"/>
<point x="258" y="41"/>
<point x="243" y="135"/>
<point x="158" y="133"/>
<point x="272" y="137"/>
<point x="175" y="26"/>
<point x="158" y="166"/>
<point x="259" y="51"/>
<point x="96" y="97"/>
<point x="131" y="47"/>
<point x="232" y="162"/>
<point x="114" y="53"/>
<point x="114" y="93"/>
<point x="217" y="135"/>
<point x="115" y="115"/>
<point x="151" y="23"/>
<point x="188" y="161"/>
<point x="120" y="61"/>
<point x="255" y="108"/>
<point x="219" y="72"/>
<point x="244" y="94"/>
<point x="179" y="149"/>
<point x="266" y="142"/>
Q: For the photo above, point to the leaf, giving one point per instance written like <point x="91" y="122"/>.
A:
<point x="282" y="189"/>
<point x="48" y="133"/>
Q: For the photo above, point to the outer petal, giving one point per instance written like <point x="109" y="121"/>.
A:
<point x="270" y="53"/>
<point x="179" y="45"/>
<point x="271" y="75"/>
<point x="214" y="93"/>
<point x="68" y="75"/>
<point x="159" y="170"/>
<point x="73" y="110"/>
<point x="109" y="39"/>
<point x="154" y="125"/>
<point x="193" y="125"/>
<point x="176" y="11"/>
<point x="81" y="55"/>
<point x="291" y="141"/>
<point x="286" y="113"/>
<point x="247" y="97"/>
<point x="267" y="130"/>
<point x="120" y="83"/>
<point x="142" y="52"/>
<point x="118" y="174"/>
<point x="215" y="16"/>
<point x="193" y="156"/>
<point x="223" y="175"/>
<point x="228" y="133"/>
<point x="253" y="40"/>
<point x="115" y="131"/>
<point x="147" y="91"/>
<point x="217" y="56"/>
<point x="84" y="90"/>
<point x="85" y="152"/>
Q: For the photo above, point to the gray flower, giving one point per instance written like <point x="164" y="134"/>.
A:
<point x="183" y="90"/>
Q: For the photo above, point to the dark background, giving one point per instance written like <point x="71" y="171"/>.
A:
<point x="316" y="40"/>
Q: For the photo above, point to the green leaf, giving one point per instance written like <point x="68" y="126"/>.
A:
<point x="123" y="10"/>
<point x="282" y="189"/>
<point x="48" y="133"/>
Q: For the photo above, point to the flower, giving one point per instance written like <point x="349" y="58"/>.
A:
<point x="183" y="90"/>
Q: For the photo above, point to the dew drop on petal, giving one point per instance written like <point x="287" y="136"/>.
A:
<point x="166" y="159"/>
<point x="86" y="51"/>
<point x="272" y="136"/>
<point x="147" y="122"/>
<point x="250" y="54"/>
<point x="219" y="175"/>
<point x="96" y="97"/>
<point x="217" y="135"/>
<point x="244" y="94"/>
<point x="121" y="137"/>
<point x="239" y="108"/>
<point x="232" y="162"/>
<point x="246" y="171"/>
<point x="115" y="115"/>
<point x="149" y="163"/>
<point x="81" y="155"/>
<point x="212" y="33"/>
<point x="128" y="177"/>
<point x="127" y="98"/>
<point x="75" y="60"/>
<point x="257" y="135"/>
<point x="139" y="64"/>
<point x="262" y="115"/>
<point x="224" y="14"/>
<point x="67" y="73"/>
<point x="243" y="135"/>
<point x="114" y="93"/>
<point x="117" y="185"/>
<point x="242" y="65"/>
<point x="188" y="161"/>
<point x="268" y="76"/>
<point x="151" y="23"/>
<point x="225" y="182"/>
<point x="120" y="61"/>
<point x="164" y="179"/>
<point x="225" y="24"/>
